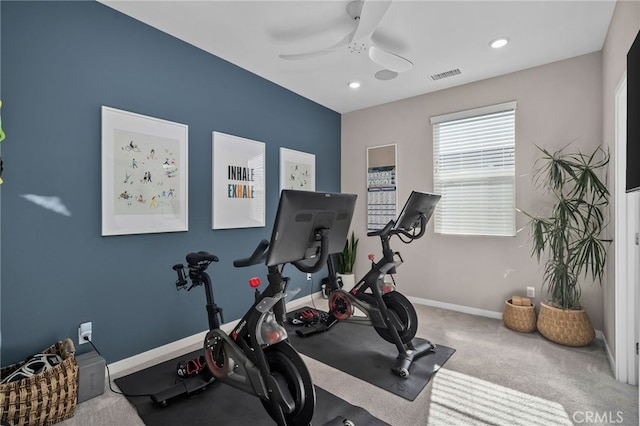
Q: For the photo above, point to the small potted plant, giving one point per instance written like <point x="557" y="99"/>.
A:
<point x="346" y="260"/>
<point x="571" y="237"/>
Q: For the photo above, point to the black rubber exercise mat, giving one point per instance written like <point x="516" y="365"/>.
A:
<point x="220" y="404"/>
<point x="360" y="352"/>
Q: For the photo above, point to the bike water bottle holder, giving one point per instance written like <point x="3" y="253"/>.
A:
<point x="388" y="268"/>
<point x="383" y="286"/>
<point x="269" y="331"/>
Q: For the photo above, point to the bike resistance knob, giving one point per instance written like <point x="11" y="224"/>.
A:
<point x="254" y="282"/>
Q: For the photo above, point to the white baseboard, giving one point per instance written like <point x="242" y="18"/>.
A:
<point x="607" y="349"/>
<point x="488" y="314"/>
<point x="179" y="347"/>
<point x="457" y="308"/>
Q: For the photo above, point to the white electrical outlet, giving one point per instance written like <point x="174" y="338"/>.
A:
<point x="531" y="292"/>
<point x="308" y="277"/>
<point x="84" y="330"/>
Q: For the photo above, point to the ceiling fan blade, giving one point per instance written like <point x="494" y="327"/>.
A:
<point x="314" y="54"/>
<point x="370" y="16"/>
<point x="388" y="60"/>
<point x="307" y="55"/>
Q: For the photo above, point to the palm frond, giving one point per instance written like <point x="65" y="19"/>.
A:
<point x="571" y="235"/>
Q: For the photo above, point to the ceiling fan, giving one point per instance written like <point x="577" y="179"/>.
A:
<point x="367" y="15"/>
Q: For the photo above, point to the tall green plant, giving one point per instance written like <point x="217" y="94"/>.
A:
<point x="347" y="258"/>
<point x="572" y="234"/>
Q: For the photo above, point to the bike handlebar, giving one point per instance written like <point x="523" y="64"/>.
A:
<point x="382" y="232"/>
<point x="423" y="228"/>
<point x="258" y="256"/>
<point x="388" y="230"/>
<point x="260" y="253"/>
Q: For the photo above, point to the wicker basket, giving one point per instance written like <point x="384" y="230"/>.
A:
<point x="43" y="399"/>
<point x="519" y="318"/>
<point x="566" y="327"/>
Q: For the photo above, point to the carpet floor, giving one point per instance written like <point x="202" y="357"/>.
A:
<point x="579" y="380"/>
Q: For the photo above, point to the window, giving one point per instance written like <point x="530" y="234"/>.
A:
<point x="474" y="171"/>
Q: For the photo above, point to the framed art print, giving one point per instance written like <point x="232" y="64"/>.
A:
<point x="238" y="182"/>
<point x="297" y="170"/>
<point x="144" y="174"/>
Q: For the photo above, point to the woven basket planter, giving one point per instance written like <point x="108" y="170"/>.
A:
<point x="42" y="399"/>
<point x="519" y="318"/>
<point x="566" y="327"/>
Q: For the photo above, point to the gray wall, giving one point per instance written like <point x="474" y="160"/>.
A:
<point x="557" y="103"/>
<point x="60" y="62"/>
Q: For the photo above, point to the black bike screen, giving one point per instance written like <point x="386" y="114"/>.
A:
<point x="418" y="203"/>
<point x="300" y="215"/>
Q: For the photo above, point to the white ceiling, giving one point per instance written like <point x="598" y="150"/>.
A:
<point x="436" y="36"/>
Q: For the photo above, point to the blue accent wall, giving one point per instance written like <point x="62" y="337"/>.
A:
<point x="61" y="61"/>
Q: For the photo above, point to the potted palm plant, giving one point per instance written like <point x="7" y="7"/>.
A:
<point x="571" y="237"/>
<point x="346" y="260"/>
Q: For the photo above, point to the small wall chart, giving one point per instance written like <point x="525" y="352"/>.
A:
<point x="381" y="186"/>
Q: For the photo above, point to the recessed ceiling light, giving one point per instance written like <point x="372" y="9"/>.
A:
<point x="354" y="84"/>
<point x="499" y="42"/>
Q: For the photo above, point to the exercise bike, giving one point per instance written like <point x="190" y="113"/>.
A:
<point x="256" y="356"/>
<point x="378" y="303"/>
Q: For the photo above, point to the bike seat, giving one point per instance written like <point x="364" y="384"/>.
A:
<point x="201" y="256"/>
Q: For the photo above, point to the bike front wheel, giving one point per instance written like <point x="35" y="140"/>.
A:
<point x="285" y="362"/>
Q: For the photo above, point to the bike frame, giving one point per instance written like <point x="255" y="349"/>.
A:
<point x="245" y="365"/>
<point x="377" y="316"/>
<point x="374" y="279"/>
<point x="238" y="358"/>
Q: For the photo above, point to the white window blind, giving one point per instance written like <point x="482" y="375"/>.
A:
<point x="474" y="171"/>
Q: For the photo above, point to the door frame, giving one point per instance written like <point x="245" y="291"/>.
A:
<point x="626" y="250"/>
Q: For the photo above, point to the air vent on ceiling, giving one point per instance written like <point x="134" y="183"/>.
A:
<point x="445" y="74"/>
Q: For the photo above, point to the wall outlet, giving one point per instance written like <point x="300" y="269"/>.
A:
<point x="531" y="292"/>
<point x="308" y="277"/>
<point x="84" y="330"/>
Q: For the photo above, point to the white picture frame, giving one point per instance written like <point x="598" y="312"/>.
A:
<point x="238" y="182"/>
<point x="297" y="170"/>
<point x="144" y="174"/>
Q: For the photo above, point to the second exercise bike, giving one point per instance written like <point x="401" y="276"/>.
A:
<point x="375" y="302"/>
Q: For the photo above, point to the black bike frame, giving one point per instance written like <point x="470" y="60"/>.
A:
<point x="378" y="316"/>
<point x="245" y="342"/>
<point x="245" y="335"/>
